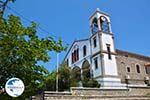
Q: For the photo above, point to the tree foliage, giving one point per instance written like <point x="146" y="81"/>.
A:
<point x="90" y="83"/>
<point x="65" y="79"/>
<point x="3" y="5"/>
<point x="20" y="51"/>
<point x="50" y="83"/>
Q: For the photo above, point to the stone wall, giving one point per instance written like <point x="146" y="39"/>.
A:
<point x="127" y="60"/>
<point x="78" y="93"/>
<point x="134" y="91"/>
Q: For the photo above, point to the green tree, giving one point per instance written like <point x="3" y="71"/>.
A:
<point x="65" y="79"/>
<point x="3" y="5"/>
<point x="50" y="83"/>
<point x="86" y="82"/>
<point x="20" y="51"/>
<point x="64" y="73"/>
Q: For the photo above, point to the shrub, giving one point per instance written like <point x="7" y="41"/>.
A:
<point x="90" y="83"/>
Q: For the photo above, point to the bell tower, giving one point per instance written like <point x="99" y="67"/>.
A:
<point x="100" y="21"/>
<point x="103" y="54"/>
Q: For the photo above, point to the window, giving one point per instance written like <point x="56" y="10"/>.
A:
<point x="108" y="50"/>
<point x="128" y="69"/>
<point x="104" y="24"/>
<point x="138" y="68"/>
<point x="96" y="63"/>
<point x="75" y="55"/>
<point x="147" y="69"/>
<point x="84" y="50"/>
<point x="94" y="42"/>
<point x="67" y="61"/>
<point x="72" y="56"/>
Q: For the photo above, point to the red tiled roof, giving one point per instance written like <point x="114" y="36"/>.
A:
<point x="126" y="53"/>
<point x="147" y="65"/>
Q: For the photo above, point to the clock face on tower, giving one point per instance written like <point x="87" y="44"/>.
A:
<point x="103" y="18"/>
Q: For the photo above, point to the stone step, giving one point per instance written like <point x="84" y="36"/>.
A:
<point x="96" y="99"/>
<point x="58" y="97"/>
<point x="51" y="93"/>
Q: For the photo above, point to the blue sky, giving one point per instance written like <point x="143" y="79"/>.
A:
<point x="69" y="19"/>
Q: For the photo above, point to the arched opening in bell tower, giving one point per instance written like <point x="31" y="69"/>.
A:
<point x="104" y="24"/>
<point x="94" y="26"/>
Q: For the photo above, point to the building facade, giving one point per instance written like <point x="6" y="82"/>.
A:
<point x="97" y="57"/>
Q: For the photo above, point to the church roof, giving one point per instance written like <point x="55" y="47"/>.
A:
<point x="129" y="54"/>
<point x="119" y="52"/>
<point x="73" y="44"/>
<point x="147" y="65"/>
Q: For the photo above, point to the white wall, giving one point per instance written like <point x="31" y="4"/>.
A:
<point x="98" y="15"/>
<point x="107" y="39"/>
<point x="97" y="48"/>
<point x="80" y="45"/>
<point x="110" y="65"/>
<point x="97" y="72"/>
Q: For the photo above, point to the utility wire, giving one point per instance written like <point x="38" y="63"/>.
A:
<point x="40" y="28"/>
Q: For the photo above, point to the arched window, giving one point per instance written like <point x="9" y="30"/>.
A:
<point x="67" y="61"/>
<point x="76" y="73"/>
<point x="86" y="73"/>
<point x="94" y="26"/>
<point x="122" y="67"/>
<point x="138" y="68"/>
<point x="84" y="50"/>
<point x="122" y="64"/>
<point x="104" y="24"/>
<point x="72" y="56"/>
<point x="75" y="55"/>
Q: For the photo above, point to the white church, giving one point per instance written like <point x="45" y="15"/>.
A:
<point x="97" y="57"/>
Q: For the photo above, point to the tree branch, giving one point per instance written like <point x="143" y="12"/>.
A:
<point x="3" y="6"/>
